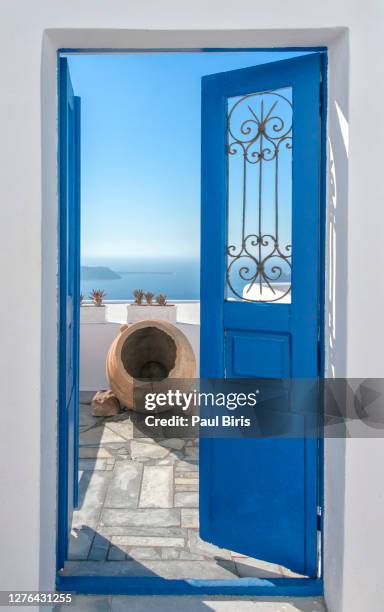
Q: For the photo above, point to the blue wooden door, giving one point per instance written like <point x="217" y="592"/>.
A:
<point x="69" y="275"/>
<point x="260" y="297"/>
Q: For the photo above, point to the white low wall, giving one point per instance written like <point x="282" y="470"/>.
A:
<point x="96" y="338"/>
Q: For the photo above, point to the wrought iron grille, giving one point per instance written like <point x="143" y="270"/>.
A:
<point x="259" y="136"/>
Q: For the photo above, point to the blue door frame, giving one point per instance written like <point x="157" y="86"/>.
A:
<point x="119" y="585"/>
<point x="69" y="312"/>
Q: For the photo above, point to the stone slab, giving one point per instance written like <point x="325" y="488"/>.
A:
<point x="94" y="452"/>
<point x="188" y="481"/>
<point x="219" y="603"/>
<point x="116" y="554"/>
<point x="192" y="476"/>
<point x="143" y="552"/>
<point x="166" y="532"/>
<point x="92" y="464"/>
<point x="182" y="570"/>
<point x="82" y="603"/>
<point x="157" y="487"/>
<point x="151" y="517"/>
<point x="170" y="460"/>
<point x="138" y="436"/>
<point x="124" y="488"/>
<point x="187" y="466"/>
<point x="186" y="487"/>
<point x="147" y="450"/>
<point x="80" y="542"/>
<point x="198" y="546"/>
<point x="186" y="500"/>
<point x="122" y="428"/>
<point x="99" y="548"/>
<point x="254" y="568"/>
<point x="148" y="541"/>
<point x="170" y="553"/>
<point x="216" y="604"/>
<point x="182" y="554"/>
<point x="173" y="443"/>
<point x="192" y="451"/>
<point x="190" y="518"/>
<point x="186" y="555"/>
<point x="92" y="489"/>
<point x="100" y="435"/>
<point x="86" y="418"/>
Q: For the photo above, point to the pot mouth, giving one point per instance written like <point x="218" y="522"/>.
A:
<point x="149" y="353"/>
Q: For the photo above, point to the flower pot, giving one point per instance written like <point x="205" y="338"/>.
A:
<point x="146" y="312"/>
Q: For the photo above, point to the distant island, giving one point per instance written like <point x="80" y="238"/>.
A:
<point x="90" y="273"/>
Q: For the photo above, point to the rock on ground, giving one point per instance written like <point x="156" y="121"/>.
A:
<point x="105" y="403"/>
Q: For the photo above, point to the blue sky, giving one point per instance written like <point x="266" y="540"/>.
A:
<point x="141" y="149"/>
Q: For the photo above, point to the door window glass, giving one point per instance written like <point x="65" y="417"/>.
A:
<point x="259" y="199"/>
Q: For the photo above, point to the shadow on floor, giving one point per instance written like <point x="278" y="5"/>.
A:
<point x="104" y="558"/>
<point x="138" y="508"/>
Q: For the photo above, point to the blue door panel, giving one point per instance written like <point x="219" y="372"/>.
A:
<point x="257" y="355"/>
<point x="268" y="463"/>
<point x="243" y="315"/>
<point x="259" y="497"/>
<point x="69" y="276"/>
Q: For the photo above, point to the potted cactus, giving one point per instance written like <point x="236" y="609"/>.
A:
<point x="159" y="311"/>
<point x="97" y="296"/>
<point x="161" y="299"/>
<point x="94" y="312"/>
<point x="138" y="294"/>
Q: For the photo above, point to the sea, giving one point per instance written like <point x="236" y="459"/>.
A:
<point x="177" y="278"/>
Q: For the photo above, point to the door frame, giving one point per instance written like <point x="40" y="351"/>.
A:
<point x="123" y="585"/>
<point x="63" y="428"/>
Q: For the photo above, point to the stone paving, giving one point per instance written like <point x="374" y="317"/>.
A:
<point x="193" y="604"/>
<point x="138" y="507"/>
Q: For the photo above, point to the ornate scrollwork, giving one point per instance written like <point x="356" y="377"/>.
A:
<point x="256" y="131"/>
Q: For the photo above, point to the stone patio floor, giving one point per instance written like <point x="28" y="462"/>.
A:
<point x="138" y="507"/>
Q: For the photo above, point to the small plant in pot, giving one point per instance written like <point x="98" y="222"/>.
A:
<point x="149" y="297"/>
<point x="97" y="296"/>
<point x="138" y="294"/>
<point x="161" y="299"/>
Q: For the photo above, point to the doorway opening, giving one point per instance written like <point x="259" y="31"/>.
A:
<point x="136" y="508"/>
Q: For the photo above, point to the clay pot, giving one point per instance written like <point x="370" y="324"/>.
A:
<point x="148" y="356"/>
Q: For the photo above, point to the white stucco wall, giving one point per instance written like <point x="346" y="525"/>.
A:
<point x="30" y="33"/>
